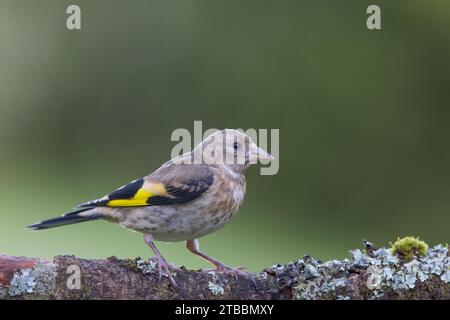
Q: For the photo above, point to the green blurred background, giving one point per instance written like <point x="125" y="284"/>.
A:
<point x="363" y="118"/>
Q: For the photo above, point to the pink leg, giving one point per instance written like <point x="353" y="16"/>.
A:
<point x="194" y="247"/>
<point x="162" y="263"/>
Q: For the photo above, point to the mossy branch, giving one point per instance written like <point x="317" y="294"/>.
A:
<point x="369" y="274"/>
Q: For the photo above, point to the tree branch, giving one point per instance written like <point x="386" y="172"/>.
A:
<point x="369" y="274"/>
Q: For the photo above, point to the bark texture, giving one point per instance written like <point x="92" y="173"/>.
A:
<point x="369" y="274"/>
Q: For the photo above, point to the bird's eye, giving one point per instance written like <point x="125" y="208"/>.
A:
<point x="235" y="146"/>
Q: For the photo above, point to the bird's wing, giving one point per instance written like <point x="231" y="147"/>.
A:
<point x="171" y="184"/>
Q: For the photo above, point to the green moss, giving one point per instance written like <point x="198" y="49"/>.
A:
<point x="408" y="247"/>
<point x="129" y="264"/>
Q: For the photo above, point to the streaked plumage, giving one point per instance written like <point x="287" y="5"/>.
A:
<point x="181" y="201"/>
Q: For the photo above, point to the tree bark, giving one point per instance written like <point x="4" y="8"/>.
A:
<point x="368" y="274"/>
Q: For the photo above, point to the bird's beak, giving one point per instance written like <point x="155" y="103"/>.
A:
<point x="264" y="155"/>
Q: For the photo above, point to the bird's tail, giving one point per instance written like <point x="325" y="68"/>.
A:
<point x="79" y="215"/>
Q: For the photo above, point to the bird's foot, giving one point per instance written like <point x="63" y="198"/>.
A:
<point x="236" y="272"/>
<point x="172" y="267"/>
<point x="165" y="269"/>
<point x="232" y="271"/>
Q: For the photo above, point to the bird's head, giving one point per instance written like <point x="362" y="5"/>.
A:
<point x="232" y="148"/>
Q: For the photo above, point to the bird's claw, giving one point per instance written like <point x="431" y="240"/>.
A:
<point x="232" y="271"/>
<point x="166" y="269"/>
<point x="172" y="267"/>
<point x="236" y="272"/>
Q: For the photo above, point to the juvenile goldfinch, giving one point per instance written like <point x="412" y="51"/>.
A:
<point x="188" y="197"/>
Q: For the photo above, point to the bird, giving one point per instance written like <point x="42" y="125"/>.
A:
<point x="188" y="197"/>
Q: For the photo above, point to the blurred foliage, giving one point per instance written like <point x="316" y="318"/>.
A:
<point x="363" y="117"/>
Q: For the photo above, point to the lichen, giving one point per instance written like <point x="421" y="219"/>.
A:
<point x="39" y="280"/>
<point x="369" y="275"/>
<point x="147" y="266"/>
<point x="45" y="274"/>
<point x="315" y="279"/>
<point x="215" y="288"/>
<point x="446" y="276"/>
<point x="386" y="274"/>
<point x="3" y="292"/>
<point x="409" y="247"/>
<point x="339" y="297"/>
<point x="22" y="282"/>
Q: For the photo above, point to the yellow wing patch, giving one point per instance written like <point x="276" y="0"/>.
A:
<point x="140" y="196"/>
